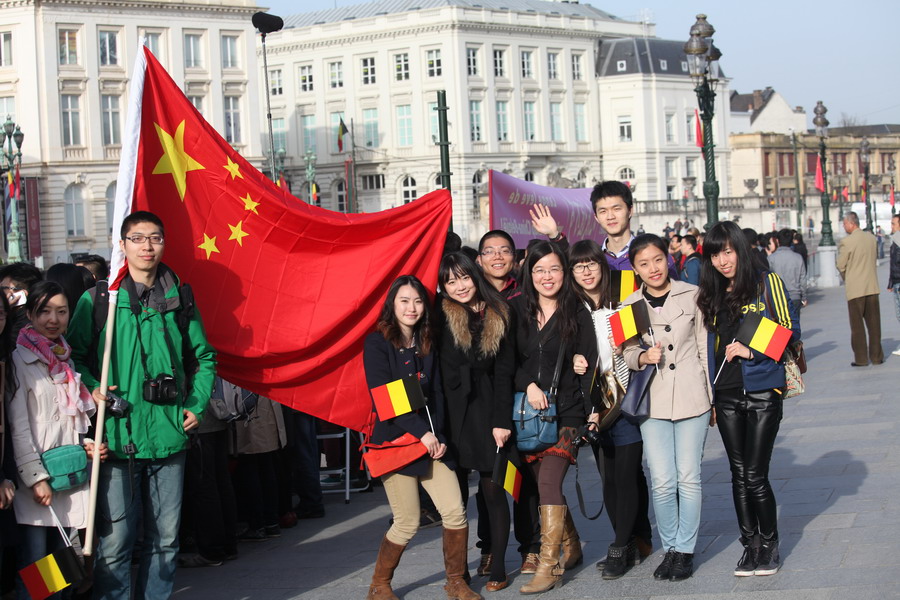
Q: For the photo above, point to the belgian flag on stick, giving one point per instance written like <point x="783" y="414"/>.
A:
<point x="764" y="335"/>
<point x="398" y="397"/>
<point x="629" y="321"/>
<point x="622" y="284"/>
<point x="507" y="476"/>
<point x="52" y="573"/>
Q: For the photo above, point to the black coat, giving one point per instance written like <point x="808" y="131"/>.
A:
<point x="385" y="363"/>
<point x="895" y="265"/>
<point x="477" y="358"/>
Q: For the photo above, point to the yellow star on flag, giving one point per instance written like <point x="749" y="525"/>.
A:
<point x="249" y="204"/>
<point x="237" y="233"/>
<point x="175" y="159"/>
<point x="209" y="244"/>
<point x="233" y="168"/>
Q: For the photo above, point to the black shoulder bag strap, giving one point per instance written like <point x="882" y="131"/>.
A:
<point x="557" y="371"/>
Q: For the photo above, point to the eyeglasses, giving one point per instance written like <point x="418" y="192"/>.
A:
<point x="591" y="267"/>
<point x="11" y="288"/>
<point x="139" y="238"/>
<point x="554" y="270"/>
<point x="504" y="251"/>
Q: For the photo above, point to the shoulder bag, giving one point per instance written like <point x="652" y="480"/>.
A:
<point x="67" y="466"/>
<point x="636" y="403"/>
<point x="382" y="459"/>
<point x="794" y="359"/>
<point x="538" y="430"/>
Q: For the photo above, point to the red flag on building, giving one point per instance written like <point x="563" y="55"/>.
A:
<point x="892" y="195"/>
<point x="698" y="129"/>
<point x="287" y="291"/>
<point x="342" y="129"/>
<point x="846" y="193"/>
<point x="820" y="177"/>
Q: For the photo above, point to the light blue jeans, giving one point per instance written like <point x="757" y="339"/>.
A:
<point x="34" y="544"/>
<point x="152" y="496"/>
<point x="674" y="450"/>
<point x="896" y="293"/>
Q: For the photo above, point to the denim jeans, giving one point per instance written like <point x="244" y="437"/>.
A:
<point x="896" y="293"/>
<point x="34" y="544"/>
<point x="152" y="496"/>
<point x="674" y="450"/>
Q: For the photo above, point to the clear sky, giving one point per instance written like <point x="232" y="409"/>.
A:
<point x="843" y="53"/>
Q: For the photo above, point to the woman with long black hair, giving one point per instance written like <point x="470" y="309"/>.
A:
<point x="748" y="391"/>
<point x="550" y="323"/>
<point x="403" y="345"/>
<point x="477" y="358"/>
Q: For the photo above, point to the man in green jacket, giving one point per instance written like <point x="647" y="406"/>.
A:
<point x="143" y="476"/>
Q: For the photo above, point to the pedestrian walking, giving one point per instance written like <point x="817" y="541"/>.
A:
<point x="856" y="264"/>
<point x="894" y="278"/>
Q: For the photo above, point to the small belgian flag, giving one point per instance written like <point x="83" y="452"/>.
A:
<point x="629" y="321"/>
<point x="507" y="476"/>
<point x="764" y="335"/>
<point x="622" y="284"/>
<point x="52" y="573"/>
<point x="398" y="397"/>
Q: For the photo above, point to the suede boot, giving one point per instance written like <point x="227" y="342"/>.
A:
<point x="549" y="572"/>
<point x="455" y="554"/>
<point x="572" y="555"/>
<point x="388" y="558"/>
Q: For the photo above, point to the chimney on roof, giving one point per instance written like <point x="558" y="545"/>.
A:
<point x="757" y="99"/>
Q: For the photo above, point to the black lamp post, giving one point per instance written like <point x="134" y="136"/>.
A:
<point x="892" y="168"/>
<point x="12" y="134"/>
<point x="703" y="64"/>
<point x="864" y="155"/>
<point x="821" y="124"/>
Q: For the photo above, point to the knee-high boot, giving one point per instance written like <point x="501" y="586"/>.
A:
<point x="549" y="572"/>
<point x="388" y="558"/>
<point x="572" y="555"/>
<point x="455" y="542"/>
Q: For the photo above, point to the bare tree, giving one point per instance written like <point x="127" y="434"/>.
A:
<point x="851" y="121"/>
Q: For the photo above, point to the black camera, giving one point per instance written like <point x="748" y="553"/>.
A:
<point x="162" y="389"/>
<point x="588" y="434"/>
<point x="117" y="405"/>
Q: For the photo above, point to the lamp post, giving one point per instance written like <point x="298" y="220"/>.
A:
<point x="892" y="168"/>
<point x="310" y="158"/>
<point x="821" y="124"/>
<point x="703" y="64"/>
<point x="864" y="156"/>
<point x="12" y="134"/>
<point x="688" y="183"/>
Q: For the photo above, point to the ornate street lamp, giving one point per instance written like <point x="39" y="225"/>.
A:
<point x="310" y="158"/>
<point x="864" y="156"/>
<point x="703" y="64"/>
<point x="821" y="124"/>
<point x="892" y="168"/>
<point x="12" y="134"/>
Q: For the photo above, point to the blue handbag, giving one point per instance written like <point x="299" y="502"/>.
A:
<point x="537" y="430"/>
<point x="636" y="403"/>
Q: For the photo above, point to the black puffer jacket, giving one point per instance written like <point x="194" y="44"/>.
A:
<point x="895" y="263"/>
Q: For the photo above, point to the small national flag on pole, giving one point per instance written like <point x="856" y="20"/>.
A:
<point x="629" y="321"/>
<point x="507" y="476"/>
<point x="820" y="177"/>
<point x="342" y="130"/>
<point x="764" y="335"/>
<point x="698" y="129"/>
<point x="622" y="284"/>
<point x="398" y="397"/>
<point x="52" y="573"/>
<point x="315" y="192"/>
<point x="864" y="192"/>
<point x="892" y="195"/>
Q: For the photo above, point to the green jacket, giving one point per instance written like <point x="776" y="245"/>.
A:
<point x="156" y="429"/>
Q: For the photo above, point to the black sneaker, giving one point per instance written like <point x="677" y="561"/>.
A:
<point x="664" y="570"/>
<point x="769" y="560"/>
<point x="683" y="567"/>
<point x="747" y="565"/>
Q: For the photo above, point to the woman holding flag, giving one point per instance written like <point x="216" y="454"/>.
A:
<point x="403" y="346"/>
<point x="674" y="345"/>
<point x="748" y="386"/>
<point x="477" y="358"/>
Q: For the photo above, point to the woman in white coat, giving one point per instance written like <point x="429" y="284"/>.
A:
<point x="50" y="408"/>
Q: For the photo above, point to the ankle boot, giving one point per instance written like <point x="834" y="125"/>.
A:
<point x="549" y="572"/>
<point x="747" y="565"/>
<point x="769" y="560"/>
<point x="455" y="554"/>
<point x="388" y="557"/>
<point x="683" y="567"/>
<point x="572" y="555"/>
<point x="616" y="562"/>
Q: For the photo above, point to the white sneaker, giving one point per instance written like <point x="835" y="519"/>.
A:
<point x="896" y="352"/>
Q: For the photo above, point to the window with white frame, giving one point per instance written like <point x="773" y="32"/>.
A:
<point x="193" y="50"/>
<point x="110" y="120"/>
<point x="684" y="66"/>
<point x="5" y="48"/>
<point x="71" y="120"/>
<point x="476" y="190"/>
<point x="527" y="64"/>
<point x="670" y="127"/>
<point x="577" y="71"/>
<point x="626" y="174"/>
<point x="197" y="101"/>
<point x="621" y="66"/>
<point x="434" y="121"/>
<point x="625" y="129"/>
<point x="279" y="134"/>
<point x="528" y="120"/>
<point x="110" y="206"/>
<point x="553" y="65"/>
<point x="370" y="127"/>
<point x="401" y="66"/>
<point x="153" y="41"/>
<point x="529" y="176"/>
<point x="305" y="77"/>
<point x="8" y="107"/>
<point x="671" y="168"/>
<point x="404" y="125"/>
<point x="233" y="119"/>
<point x="499" y="63"/>
<point x="109" y="54"/>
<point x="373" y="182"/>
<point x="308" y="129"/>
<point x="502" y="110"/>
<point x="230" y="54"/>
<point x="276" y="82"/>
<point x="581" y="134"/>
<point x="690" y="169"/>
<point x="690" y="125"/>
<point x="68" y="46"/>
<point x="368" y="70"/>
<point x="433" y="63"/>
<point x="472" y="61"/>
<point x="475" y="120"/>
<point x="336" y="74"/>
<point x="670" y="192"/>
<point x="408" y="189"/>
<point x="340" y="192"/>
<point x="663" y="65"/>
<point x="74" y="202"/>
<point x="556" y="128"/>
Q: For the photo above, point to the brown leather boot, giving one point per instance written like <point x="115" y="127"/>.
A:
<point x="388" y="557"/>
<point x="572" y="555"/>
<point x="455" y="553"/>
<point x="549" y="572"/>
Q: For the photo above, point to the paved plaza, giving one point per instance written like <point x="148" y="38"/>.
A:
<point x="835" y="471"/>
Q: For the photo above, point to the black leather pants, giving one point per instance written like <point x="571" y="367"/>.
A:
<point x="749" y="423"/>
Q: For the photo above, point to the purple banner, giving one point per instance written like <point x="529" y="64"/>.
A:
<point x="512" y="198"/>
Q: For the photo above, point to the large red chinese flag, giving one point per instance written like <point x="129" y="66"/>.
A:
<point x="287" y="291"/>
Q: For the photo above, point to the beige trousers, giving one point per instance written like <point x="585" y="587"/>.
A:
<point x="403" y="495"/>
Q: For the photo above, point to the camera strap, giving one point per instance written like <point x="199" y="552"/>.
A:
<point x="137" y="310"/>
